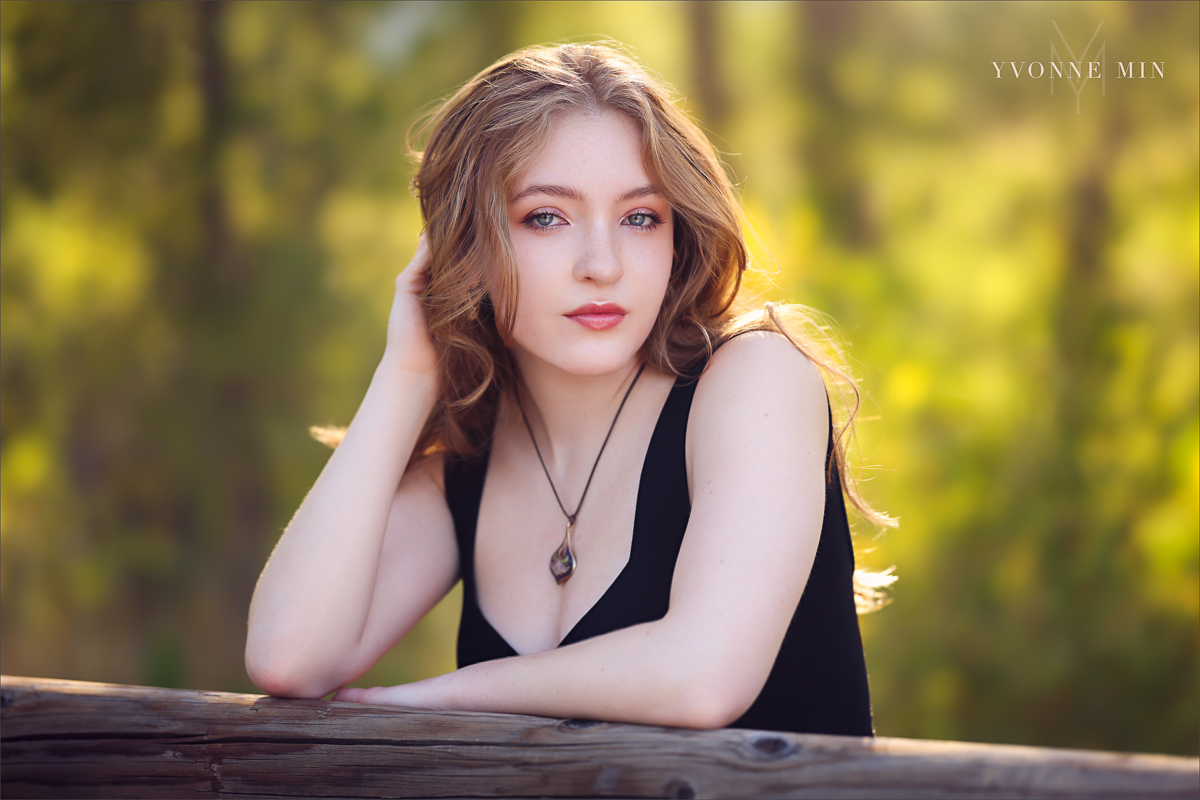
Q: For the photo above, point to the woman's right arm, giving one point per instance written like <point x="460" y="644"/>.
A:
<point x="371" y="548"/>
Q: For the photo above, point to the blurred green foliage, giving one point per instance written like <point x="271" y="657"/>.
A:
<point x="203" y="207"/>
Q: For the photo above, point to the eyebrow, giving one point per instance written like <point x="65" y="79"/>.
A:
<point x="568" y="193"/>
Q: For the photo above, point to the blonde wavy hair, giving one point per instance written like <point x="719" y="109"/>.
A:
<point x="477" y="145"/>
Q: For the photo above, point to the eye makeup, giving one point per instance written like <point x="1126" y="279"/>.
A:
<point x="543" y="219"/>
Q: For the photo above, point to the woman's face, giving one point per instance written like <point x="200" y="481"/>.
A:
<point x="593" y="242"/>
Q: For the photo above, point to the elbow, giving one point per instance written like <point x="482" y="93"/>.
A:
<point x="276" y="677"/>
<point x="710" y="697"/>
<point x="712" y="709"/>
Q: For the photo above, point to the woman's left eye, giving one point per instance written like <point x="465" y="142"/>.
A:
<point x="643" y="220"/>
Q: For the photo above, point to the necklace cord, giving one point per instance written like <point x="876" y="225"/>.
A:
<point x="596" y="463"/>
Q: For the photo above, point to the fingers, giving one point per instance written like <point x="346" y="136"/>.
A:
<point x="420" y="259"/>
<point x="400" y="695"/>
<point x="416" y="274"/>
<point x="376" y="695"/>
<point x="350" y="695"/>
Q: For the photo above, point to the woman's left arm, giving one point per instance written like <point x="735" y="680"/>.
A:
<point x="757" y="439"/>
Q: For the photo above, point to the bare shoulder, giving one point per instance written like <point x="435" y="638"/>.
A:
<point x="758" y="369"/>
<point x="760" y="407"/>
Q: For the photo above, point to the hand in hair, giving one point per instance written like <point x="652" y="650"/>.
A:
<point x="409" y="346"/>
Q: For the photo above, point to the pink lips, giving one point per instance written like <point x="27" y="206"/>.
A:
<point x="598" y="316"/>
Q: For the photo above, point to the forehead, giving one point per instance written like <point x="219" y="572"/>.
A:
<point x="593" y="152"/>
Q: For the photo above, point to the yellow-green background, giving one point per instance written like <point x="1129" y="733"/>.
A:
<point x="203" y="208"/>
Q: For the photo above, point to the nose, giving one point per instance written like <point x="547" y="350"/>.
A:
<point x="600" y="261"/>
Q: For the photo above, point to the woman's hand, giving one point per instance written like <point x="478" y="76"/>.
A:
<point x="420" y="694"/>
<point x="409" y="345"/>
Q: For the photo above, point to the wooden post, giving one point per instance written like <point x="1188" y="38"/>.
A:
<point x="76" y="739"/>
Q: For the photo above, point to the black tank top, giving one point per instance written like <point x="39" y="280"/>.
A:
<point x="819" y="681"/>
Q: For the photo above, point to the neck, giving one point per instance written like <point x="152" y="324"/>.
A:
<point x="570" y="415"/>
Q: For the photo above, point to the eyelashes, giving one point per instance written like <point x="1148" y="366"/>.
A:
<point x="545" y="219"/>
<point x="649" y="220"/>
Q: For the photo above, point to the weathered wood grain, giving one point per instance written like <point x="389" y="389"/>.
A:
<point x="76" y="739"/>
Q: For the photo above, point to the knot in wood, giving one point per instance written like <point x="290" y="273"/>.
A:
<point x="578" y="724"/>
<point x="773" y="746"/>
<point x="681" y="789"/>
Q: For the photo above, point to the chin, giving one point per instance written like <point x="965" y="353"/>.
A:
<point x="583" y="353"/>
<point x="596" y="364"/>
<point x="590" y="359"/>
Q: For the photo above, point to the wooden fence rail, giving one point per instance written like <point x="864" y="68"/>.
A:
<point x="76" y="739"/>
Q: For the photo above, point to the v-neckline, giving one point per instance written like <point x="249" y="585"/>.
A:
<point x="654" y="437"/>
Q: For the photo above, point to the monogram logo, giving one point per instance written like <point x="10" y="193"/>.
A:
<point x="1077" y="81"/>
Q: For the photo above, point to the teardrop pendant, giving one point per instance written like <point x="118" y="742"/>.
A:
<point x="562" y="563"/>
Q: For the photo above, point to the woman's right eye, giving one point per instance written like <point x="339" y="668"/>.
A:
<point x="543" y="220"/>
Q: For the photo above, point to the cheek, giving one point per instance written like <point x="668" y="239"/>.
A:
<point x="531" y="270"/>
<point x="659" y="258"/>
<point x="538" y="290"/>
<point x="538" y="260"/>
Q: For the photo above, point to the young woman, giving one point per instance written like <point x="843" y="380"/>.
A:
<point x="646" y="512"/>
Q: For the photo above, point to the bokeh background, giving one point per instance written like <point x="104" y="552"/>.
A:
<point x="203" y="208"/>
